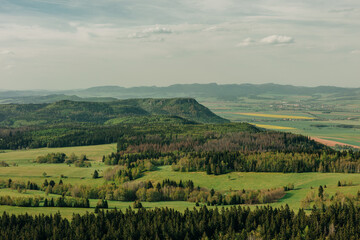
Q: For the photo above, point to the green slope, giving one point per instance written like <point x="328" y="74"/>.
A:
<point x="187" y="108"/>
<point x="17" y="115"/>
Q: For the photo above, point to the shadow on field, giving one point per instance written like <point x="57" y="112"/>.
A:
<point x="287" y="196"/>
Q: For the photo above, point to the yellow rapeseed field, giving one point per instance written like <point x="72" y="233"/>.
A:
<point x="272" y="127"/>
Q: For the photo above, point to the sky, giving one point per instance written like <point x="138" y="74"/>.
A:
<point x="67" y="44"/>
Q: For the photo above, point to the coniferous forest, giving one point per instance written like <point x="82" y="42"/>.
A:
<point x="333" y="222"/>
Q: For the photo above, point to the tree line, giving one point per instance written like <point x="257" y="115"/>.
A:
<point x="35" y="202"/>
<point x="17" y="185"/>
<point x="78" y="161"/>
<point x="83" y="134"/>
<point x="212" y="162"/>
<point x="224" y="162"/>
<point x="167" y="190"/>
<point x="338" y="221"/>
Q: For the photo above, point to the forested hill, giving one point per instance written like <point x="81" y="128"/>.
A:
<point x="15" y="115"/>
<point x="187" y="108"/>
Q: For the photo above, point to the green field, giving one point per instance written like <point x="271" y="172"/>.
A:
<point x="27" y="156"/>
<point x="68" y="212"/>
<point x="26" y="170"/>
<point x="320" y="117"/>
<point x="240" y="180"/>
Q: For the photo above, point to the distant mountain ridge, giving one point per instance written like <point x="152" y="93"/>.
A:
<point x="223" y="92"/>
<point x="36" y="99"/>
<point x="101" y="112"/>
<point x="214" y="90"/>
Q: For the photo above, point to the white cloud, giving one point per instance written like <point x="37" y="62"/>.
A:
<point x="149" y="32"/>
<point x="270" y="40"/>
<point x="155" y="39"/>
<point x="246" y="42"/>
<point x="138" y="35"/>
<point x="6" y="52"/>
<point x="356" y="51"/>
<point x="211" y="29"/>
<point x="157" y="30"/>
<point x="8" y="67"/>
<point x="277" y="39"/>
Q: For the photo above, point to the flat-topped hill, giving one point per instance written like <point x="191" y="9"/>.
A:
<point x="187" y="109"/>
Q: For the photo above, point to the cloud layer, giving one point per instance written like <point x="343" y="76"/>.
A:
<point x="71" y="44"/>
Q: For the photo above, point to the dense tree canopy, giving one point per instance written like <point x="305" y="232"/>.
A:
<point x="334" y="222"/>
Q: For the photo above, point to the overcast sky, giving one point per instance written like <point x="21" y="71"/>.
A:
<point x="65" y="44"/>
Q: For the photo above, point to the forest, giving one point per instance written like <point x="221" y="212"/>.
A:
<point x="338" y="221"/>
<point x="83" y="134"/>
<point x="220" y="153"/>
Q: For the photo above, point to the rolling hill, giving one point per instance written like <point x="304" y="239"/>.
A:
<point x="16" y="115"/>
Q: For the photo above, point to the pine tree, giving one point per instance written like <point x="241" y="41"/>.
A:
<point x="321" y="192"/>
<point x="149" y="185"/>
<point x="208" y="169"/>
<point x="96" y="174"/>
<point x="52" y="204"/>
<point x="158" y="186"/>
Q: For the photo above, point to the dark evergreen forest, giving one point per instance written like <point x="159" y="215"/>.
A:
<point x="334" y="222"/>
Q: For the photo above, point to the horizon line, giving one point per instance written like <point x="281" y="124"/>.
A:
<point x="157" y="86"/>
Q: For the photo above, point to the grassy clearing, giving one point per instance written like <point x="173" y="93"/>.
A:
<point x="27" y="170"/>
<point x="232" y="181"/>
<point x="238" y="180"/>
<point x="27" y="156"/>
<point x="34" y="172"/>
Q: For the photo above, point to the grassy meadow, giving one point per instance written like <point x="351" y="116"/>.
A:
<point x="27" y="156"/>
<point x="27" y="170"/>
<point x="242" y="180"/>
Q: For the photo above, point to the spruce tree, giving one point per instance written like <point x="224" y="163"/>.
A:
<point x="321" y="192"/>
<point x="96" y="174"/>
